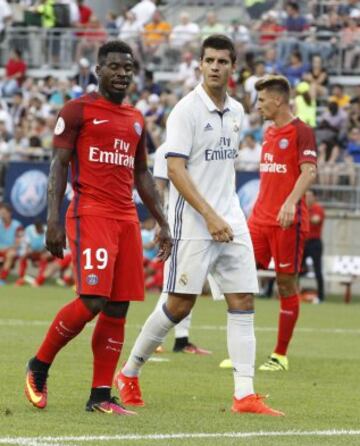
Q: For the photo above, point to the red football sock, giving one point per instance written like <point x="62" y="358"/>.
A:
<point x="289" y="312"/>
<point x="4" y="273"/>
<point x="22" y="267"/>
<point x="67" y="324"/>
<point x="107" y="342"/>
<point x="40" y="279"/>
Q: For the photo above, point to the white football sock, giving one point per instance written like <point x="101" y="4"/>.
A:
<point x="241" y="344"/>
<point x="183" y="327"/>
<point x="151" y="336"/>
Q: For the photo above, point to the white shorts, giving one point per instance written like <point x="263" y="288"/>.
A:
<point x="232" y="265"/>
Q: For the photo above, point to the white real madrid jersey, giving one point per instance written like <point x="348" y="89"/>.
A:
<point x="160" y="163"/>
<point x="209" y="140"/>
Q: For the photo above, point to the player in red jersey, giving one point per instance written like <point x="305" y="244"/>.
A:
<point x="104" y="142"/>
<point x="279" y="221"/>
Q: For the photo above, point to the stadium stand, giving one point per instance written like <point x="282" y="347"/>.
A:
<point x="315" y="43"/>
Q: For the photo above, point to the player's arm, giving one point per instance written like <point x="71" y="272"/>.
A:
<point x="178" y="175"/>
<point x="55" y="234"/>
<point x="161" y="186"/>
<point x="287" y="211"/>
<point x="146" y="188"/>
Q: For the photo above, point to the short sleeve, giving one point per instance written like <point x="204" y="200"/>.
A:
<point x="179" y="132"/>
<point x="160" y="164"/>
<point x="141" y="151"/>
<point x="307" y="148"/>
<point x="68" y="125"/>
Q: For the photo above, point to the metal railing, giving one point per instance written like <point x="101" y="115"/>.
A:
<point x="56" y="47"/>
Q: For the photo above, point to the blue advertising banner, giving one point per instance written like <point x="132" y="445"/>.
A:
<point x="26" y="191"/>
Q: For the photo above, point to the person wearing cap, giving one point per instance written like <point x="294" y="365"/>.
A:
<point x="85" y="76"/>
<point x="305" y="103"/>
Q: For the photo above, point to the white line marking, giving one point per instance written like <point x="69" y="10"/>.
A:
<point x="42" y="441"/>
<point x="350" y="331"/>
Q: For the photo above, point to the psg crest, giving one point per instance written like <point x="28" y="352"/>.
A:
<point x="28" y="194"/>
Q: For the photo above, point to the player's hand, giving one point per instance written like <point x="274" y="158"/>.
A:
<point x="55" y="239"/>
<point x="220" y="230"/>
<point x="163" y="238"/>
<point x="286" y="215"/>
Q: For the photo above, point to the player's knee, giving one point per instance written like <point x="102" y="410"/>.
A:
<point x="179" y="309"/>
<point x="115" y="309"/>
<point x="286" y="285"/>
<point x="240" y="302"/>
<point x="95" y="304"/>
<point x="10" y="254"/>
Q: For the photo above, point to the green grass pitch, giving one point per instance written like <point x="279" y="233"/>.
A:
<point x="186" y="394"/>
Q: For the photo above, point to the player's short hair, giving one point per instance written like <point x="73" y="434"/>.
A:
<point x="113" y="46"/>
<point x="219" y="42"/>
<point x="274" y="83"/>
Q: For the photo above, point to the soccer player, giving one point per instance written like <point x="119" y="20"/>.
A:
<point x="104" y="141"/>
<point x="10" y="231"/>
<point x="208" y="227"/>
<point x="182" y="329"/>
<point x="279" y="220"/>
<point x="33" y="246"/>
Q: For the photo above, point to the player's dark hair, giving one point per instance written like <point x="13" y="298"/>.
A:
<point x="274" y="83"/>
<point x="219" y="42"/>
<point x="113" y="46"/>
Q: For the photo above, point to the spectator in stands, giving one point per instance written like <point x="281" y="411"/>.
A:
<point x="10" y="231"/>
<point x="345" y="9"/>
<point x="239" y="34"/>
<point x="46" y="9"/>
<point x="5" y="116"/>
<point x="271" y="66"/>
<point x="313" y="245"/>
<point x="85" y="76"/>
<point x="155" y="35"/>
<point x="295" y="24"/>
<point x="338" y="96"/>
<point x="91" y="40"/>
<point x="295" y="70"/>
<point x="85" y="13"/>
<point x="150" y="84"/>
<point x="185" y="34"/>
<point x="144" y="11"/>
<point x="317" y="76"/>
<point x="130" y="30"/>
<point x="268" y="28"/>
<point x="5" y="17"/>
<point x="17" y="108"/>
<point x="212" y="26"/>
<point x="18" y="145"/>
<point x="33" y="249"/>
<point x="305" y="103"/>
<point x="15" y="70"/>
<point x="350" y="42"/>
<point x="353" y="145"/>
<point x="186" y="68"/>
<point x="154" y="118"/>
<point x="249" y="86"/>
<point x="249" y="155"/>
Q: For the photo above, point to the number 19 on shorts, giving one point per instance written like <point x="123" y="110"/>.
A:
<point x="95" y="258"/>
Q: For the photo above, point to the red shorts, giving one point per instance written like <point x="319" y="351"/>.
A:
<point x="285" y="246"/>
<point x="107" y="257"/>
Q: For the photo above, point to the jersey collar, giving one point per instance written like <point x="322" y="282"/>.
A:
<point x="208" y="101"/>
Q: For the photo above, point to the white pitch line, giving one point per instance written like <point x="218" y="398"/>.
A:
<point x="52" y="441"/>
<point x="349" y="331"/>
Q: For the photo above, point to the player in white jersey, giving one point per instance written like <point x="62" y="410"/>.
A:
<point x="208" y="227"/>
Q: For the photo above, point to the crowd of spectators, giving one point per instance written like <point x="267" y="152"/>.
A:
<point x="301" y="44"/>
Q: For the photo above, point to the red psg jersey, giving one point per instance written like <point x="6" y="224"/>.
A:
<point x="107" y="140"/>
<point x="284" y="150"/>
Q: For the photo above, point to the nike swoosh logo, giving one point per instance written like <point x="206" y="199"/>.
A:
<point x="100" y="121"/>
<point x="101" y="409"/>
<point x="35" y="398"/>
<point x="284" y="265"/>
<point x="112" y="341"/>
